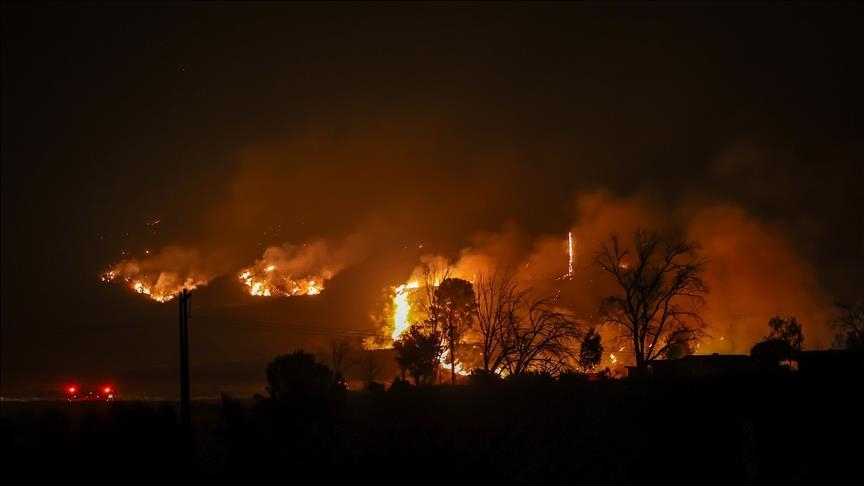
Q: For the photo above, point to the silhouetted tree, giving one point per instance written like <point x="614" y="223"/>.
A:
<point x="788" y="330"/>
<point x="498" y="301"/>
<point x="370" y="370"/>
<point x="298" y="375"/>
<point x="340" y="348"/>
<point x="771" y="352"/>
<point x="519" y="335"/>
<point x="479" y="376"/>
<point x="455" y="299"/>
<point x="425" y="310"/>
<point x="590" y="351"/>
<point x="399" y="385"/>
<point x="542" y="338"/>
<point x="659" y="292"/>
<point x="680" y="346"/>
<point x="850" y="320"/>
<point x="417" y="352"/>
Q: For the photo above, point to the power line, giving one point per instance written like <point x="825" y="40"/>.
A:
<point x="223" y="321"/>
<point x="287" y="325"/>
<point x="289" y="328"/>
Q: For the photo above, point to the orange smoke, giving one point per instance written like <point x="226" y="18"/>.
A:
<point x="289" y="270"/>
<point x="162" y="276"/>
<point x="754" y="274"/>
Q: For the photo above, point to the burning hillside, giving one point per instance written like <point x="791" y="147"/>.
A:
<point x="162" y="276"/>
<point x="290" y="270"/>
<point x="559" y="271"/>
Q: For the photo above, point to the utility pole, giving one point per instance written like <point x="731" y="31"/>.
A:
<point x="185" y="404"/>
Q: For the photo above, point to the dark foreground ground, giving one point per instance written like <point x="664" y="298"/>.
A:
<point x="779" y="430"/>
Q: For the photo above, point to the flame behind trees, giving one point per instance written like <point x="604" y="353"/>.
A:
<point x="515" y="333"/>
<point x="659" y="290"/>
<point x="418" y="328"/>
<point x="455" y="299"/>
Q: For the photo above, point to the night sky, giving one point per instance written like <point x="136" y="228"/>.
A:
<point x="207" y="132"/>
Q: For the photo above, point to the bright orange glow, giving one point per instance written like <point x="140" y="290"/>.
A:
<point x="142" y="288"/>
<point x="290" y="270"/>
<point x="72" y="389"/>
<point x="401" y="322"/>
<point x="107" y="389"/>
<point x="401" y="308"/>
<point x="445" y="365"/>
<point x="268" y="283"/>
<point x="161" y="288"/>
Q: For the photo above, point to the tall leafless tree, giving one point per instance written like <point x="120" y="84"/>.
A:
<point x="340" y="348"/>
<point x="543" y="338"/>
<point x="498" y="300"/>
<point x="369" y="368"/>
<point x="520" y="334"/>
<point x="851" y="321"/>
<point x="659" y="292"/>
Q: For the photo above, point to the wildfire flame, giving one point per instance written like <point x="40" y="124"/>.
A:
<point x="163" y="274"/>
<point x="402" y="308"/>
<point x="445" y="365"/>
<point x="269" y="283"/>
<point x="161" y="288"/>
<point x="290" y="270"/>
<point x="401" y="321"/>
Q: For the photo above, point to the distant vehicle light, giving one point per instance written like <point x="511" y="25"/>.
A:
<point x="74" y="393"/>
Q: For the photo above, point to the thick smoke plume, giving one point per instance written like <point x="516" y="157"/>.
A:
<point x="379" y="194"/>
<point x="165" y="274"/>
<point x="300" y="269"/>
<point x="752" y="271"/>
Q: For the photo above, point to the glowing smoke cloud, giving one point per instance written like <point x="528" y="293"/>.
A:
<point x="163" y="276"/>
<point x="289" y="270"/>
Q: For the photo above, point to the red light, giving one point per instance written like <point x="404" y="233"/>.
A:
<point x="72" y="390"/>
<point x="107" y="389"/>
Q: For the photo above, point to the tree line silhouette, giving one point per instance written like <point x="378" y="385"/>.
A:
<point x="523" y="417"/>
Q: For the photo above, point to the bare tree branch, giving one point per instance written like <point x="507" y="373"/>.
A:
<point x="851" y="320"/>
<point x="659" y="292"/>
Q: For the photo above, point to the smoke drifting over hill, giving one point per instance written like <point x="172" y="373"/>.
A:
<point x="321" y="201"/>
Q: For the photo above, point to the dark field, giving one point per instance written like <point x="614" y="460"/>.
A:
<point x="780" y="430"/>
